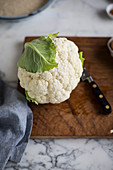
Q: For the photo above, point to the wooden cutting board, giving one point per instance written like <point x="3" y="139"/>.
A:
<point x="81" y="116"/>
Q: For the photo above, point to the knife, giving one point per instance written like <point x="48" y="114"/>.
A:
<point x="100" y="96"/>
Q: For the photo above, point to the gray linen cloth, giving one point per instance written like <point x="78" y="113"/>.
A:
<point x="15" y="124"/>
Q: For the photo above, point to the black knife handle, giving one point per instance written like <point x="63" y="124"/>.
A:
<point x="101" y="98"/>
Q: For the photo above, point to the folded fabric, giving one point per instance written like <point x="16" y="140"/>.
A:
<point x="15" y="124"/>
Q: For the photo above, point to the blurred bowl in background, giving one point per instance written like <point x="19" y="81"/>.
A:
<point x="110" y="46"/>
<point x="15" y="18"/>
<point x="109" y="10"/>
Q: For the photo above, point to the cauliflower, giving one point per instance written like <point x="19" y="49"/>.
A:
<point x="55" y="85"/>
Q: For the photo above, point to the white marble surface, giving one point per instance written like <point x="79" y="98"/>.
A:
<point x="69" y="17"/>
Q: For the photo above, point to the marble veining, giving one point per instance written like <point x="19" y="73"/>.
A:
<point x="70" y="18"/>
<point x="66" y="154"/>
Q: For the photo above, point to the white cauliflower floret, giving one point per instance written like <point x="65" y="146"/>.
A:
<point x="55" y="85"/>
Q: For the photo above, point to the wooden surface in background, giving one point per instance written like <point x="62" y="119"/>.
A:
<point x="81" y="116"/>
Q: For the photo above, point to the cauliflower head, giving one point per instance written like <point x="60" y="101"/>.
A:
<point x="55" y="85"/>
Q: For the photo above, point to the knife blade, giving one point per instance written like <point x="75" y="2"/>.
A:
<point x="100" y="96"/>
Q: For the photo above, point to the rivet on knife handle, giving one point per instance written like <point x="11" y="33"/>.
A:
<point x="101" y="98"/>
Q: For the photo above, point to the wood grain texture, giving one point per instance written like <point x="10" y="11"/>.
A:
<point x="81" y="116"/>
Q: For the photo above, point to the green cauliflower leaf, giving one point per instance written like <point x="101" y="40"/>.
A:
<point x="39" y="55"/>
<point x="29" y="98"/>
<point x="81" y="58"/>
